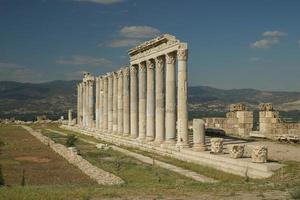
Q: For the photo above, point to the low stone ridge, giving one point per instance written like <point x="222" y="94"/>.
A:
<point x="100" y="176"/>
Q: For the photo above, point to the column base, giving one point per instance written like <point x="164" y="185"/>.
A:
<point x="149" y="139"/>
<point x="199" y="147"/>
<point x="182" y="145"/>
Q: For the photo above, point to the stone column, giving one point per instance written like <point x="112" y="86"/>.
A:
<point x="120" y="102"/>
<point x="78" y="103"/>
<point x="126" y="102"/>
<point x="97" y="103"/>
<point x="69" y="117"/>
<point x="170" y="98"/>
<point x="159" y="99"/>
<point x="100" y="103"/>
<point x="133" y="102"/>
<point x="91" y="104"/>
<point x="115" y="102"/>
<point x="142" y="100"/>
<point x="150" y="132"/>
<point x="84" y="104"/>
<point x="110" y="102"/>
<point x="182" y="114"/>
<point x="198" y="135"/>
<point x="105" y="103"/>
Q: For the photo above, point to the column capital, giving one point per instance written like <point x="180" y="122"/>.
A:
<point x="182" y="54"/>
<point x="170" y="58"/>
<point x="133" y="69"/>
<point x="150" y="64"/>
<point x="159" y="62"/>
<point x="142" y="67"/>
<point x="126" y="71"/>
<point x="120" y="73"/>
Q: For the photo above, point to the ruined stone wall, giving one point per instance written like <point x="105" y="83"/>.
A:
<point x="238" y="121"/>
<point x="271" y="126"/>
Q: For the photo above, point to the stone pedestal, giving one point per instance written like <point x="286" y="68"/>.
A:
<point x="150" y="130"/>
<point x="199" y="135"/>
<point x="236" y="150"/>
<point x="133" y="102"/>
<point x="259" y="154"/>
<point x="216" y="145"/>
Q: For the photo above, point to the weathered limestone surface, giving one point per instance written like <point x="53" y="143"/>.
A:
<point x="105" y="103"/>
<point x="115" y="102"/>
<point x="110" y="102"/>
<point x="236" y="150"/>
<point x="142" y="100"/>
<point x="70" y="117"/>
<point x="216" y="145"/>
<point x="120" y="102"/>
<point x="133" y="102"/>
<point x="159" y="101"/>
<point x="198" y="135"/>
<point x="259" y="154"/>
<point x="150" y="132"/>
<point x="126" y="102"/>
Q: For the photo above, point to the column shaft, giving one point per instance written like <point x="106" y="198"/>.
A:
<point x="115" y="103"/>
<point x="142" y="101"/>
<point x="91" y="105"/>
<point x="182" y="114"/>
<point x="126" y="102"/>
<point x="110" y="103"/>
<point x="150" y="132"/>
<point x="105" y="103"/>
<point x="170" y="99"/>
<point x="84" y="104"/>
<point x="133" y="102"/>
<point x="120" y="102"/>
<point x="78" y="104"/>
<point x="97" y="103"/>
<point x="100" y="103"/>
<point x="159" y="99"/>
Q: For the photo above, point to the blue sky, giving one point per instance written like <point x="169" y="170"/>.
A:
<point x="232" y="43"/>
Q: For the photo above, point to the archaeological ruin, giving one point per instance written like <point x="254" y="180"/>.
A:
<point x="145" y="106"/>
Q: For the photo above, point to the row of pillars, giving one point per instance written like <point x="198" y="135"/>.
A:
<point x="139" y="101"/>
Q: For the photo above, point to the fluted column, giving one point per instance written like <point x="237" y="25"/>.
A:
<point x="126" y="102"/>
<point x="170" y="98"/>
<point x="150" y="131"/>
<point x="91" y="104"/>
<point x="133" y="102"/>
<point x="115" y="102"/>
<point x="105" y="103"/>
<point x="110" y="102"/>
<point x="120" y="102"/>
<point x="101" y="103"/>
<point x="159" y="99"/>
<point x="70" y="117"/>
<point x="78" y="103"/>
<point x="84" y="104"/>
<point x="97" y="103"/>
<point x="142" y="100"/>
<point x="182" y="99"/>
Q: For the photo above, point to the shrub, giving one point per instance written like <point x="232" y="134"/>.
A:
<point x="71" y="140"/>
<point x="2" y="183"/>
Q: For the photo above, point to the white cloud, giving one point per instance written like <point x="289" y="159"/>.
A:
<point x="273" y="34"/>
<point x="270" y="38"/>
<point x="84" y="60"/>
<point x="130" y="36"/>
<point x="124" y="43"/>
<point x="19" y="73"/>
<point x="139" y="32"/>
<point x="105" y="2"/>
<point x="264" y="43"/>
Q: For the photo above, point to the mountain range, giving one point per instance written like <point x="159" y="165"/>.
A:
<point x="26" y="100"/>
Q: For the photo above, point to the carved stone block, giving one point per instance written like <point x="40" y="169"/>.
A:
<point x="236" y="150"/>
<point x="216" y="145"/>
<point x="259" y="154"/>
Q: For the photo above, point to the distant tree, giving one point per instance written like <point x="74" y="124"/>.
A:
<point x="2" y="183"/>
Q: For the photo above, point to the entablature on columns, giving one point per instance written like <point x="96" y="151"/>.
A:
<point x="156" y="47"/>
<point x="88" y="77"/>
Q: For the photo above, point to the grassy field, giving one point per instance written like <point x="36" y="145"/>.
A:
<point x="142" y="180"/>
